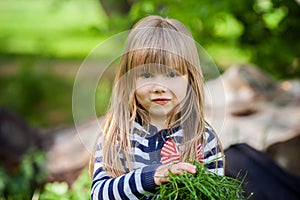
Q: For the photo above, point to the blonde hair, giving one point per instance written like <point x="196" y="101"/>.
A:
<point x="164" y="42"/>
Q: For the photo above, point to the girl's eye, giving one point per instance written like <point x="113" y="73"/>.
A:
<point x="146" y="75"/>
<point x="173" y="74"/>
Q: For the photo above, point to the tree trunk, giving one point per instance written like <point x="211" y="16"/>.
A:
<point x="112" y="7"/>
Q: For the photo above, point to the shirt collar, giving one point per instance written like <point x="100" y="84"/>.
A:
<point x="152" y="130"/>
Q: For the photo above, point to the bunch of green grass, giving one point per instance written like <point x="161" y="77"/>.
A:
<point x="203" y="185"/>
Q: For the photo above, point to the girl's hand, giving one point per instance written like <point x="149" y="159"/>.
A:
<point x="162" y="172"/>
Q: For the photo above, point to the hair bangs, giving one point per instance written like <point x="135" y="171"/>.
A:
<point x="158" y="61"/>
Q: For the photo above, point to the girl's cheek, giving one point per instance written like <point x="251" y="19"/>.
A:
<point x="179" y="89"/>
<point x="142" y="86"/>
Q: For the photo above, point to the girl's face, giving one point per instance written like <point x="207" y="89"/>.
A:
<point x="160" y="92"/>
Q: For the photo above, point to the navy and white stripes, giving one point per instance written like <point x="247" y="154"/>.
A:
<point x="146" y="148"/>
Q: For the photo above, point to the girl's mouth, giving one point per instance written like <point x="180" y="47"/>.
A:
<point x="161" y="101"/>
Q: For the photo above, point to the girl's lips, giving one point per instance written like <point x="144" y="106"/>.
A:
<point x="161" y="101"/>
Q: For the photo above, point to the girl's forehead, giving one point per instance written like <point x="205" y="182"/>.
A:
<point x="158" y="61"/>
<point x="157" y="69"/>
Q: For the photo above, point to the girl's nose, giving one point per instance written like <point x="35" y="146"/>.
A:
<point x="158" y="87"/>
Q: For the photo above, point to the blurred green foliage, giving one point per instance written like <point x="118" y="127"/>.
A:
<point x="43" y="97"/>
<point x="42" y="94"/>
<point x="264" y="32"/>
<point x="102" y="97"/>
<point x="28" y="181"/>
<point x="60" y="190"/>
<point x="51" y="28"/>
<point x="260" y="31"/>
<point x="22" y="181"/>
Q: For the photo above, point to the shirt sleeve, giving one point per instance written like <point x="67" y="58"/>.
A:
<point x="213" y="154"/>
<point x="133" y="185"/>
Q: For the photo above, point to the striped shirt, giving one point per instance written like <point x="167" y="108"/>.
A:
<point x="150" y="149"/>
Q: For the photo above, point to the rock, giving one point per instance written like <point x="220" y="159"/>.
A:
<point x="252" y="108"/>
<point x="257" y="109"/>
<point x="243" y="85"/>
<point x="286" y="154"/>
<point x="70" y="151"/>
<point x="66" y="151"/>
<point x="16" y="138"/>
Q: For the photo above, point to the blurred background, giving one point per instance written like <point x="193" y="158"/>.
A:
<point x="43" y="44"/>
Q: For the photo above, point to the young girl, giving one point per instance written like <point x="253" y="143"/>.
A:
<point x="155" y="123"/>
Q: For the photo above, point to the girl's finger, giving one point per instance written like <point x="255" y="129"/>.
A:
<point x="162" y="172"/>
<point x="179" y="168"/>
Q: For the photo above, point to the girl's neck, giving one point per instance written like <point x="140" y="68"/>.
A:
<point x="159" y="123"/>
